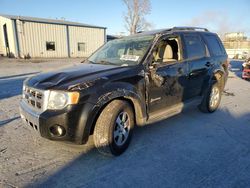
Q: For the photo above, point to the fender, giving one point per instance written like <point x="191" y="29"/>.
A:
<point x="126" y="91"/>
<point x="117" y="90"/>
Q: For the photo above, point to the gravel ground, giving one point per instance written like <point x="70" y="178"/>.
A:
<point x="188" y="150"/>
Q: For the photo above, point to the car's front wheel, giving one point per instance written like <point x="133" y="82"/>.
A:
<point x="113" y="129"/>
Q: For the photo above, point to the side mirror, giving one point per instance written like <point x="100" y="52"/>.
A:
<point x="157" y="79"/>
<point x="154" y="65"/>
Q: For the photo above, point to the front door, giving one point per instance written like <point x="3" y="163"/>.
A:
<point x="168" y="76"/>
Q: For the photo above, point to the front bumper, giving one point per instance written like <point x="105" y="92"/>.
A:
<point x="30" y="117"/>
<point x="73" y="119"/>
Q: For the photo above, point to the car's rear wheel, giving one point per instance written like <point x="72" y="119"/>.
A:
<point x="211" y="100"/>
<point x="114" y="127"/>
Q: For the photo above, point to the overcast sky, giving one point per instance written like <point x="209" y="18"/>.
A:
<point x="217" y="15"/>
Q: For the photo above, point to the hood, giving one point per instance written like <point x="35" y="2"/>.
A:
<point x="66" y="78"/>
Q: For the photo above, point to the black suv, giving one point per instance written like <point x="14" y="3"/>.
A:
<point x="135" y="80"/>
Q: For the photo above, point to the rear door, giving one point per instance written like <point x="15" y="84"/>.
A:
<point x="216" y="49"/>
<point x="195" y="53"/>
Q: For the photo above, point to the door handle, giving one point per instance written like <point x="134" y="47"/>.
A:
<point x="209" y="64"/>
<point x="180" y="70"/>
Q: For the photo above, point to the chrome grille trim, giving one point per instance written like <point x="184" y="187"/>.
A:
<point x="35" y="98"/>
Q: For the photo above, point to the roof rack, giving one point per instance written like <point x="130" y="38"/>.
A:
<point x="189" y="28"/>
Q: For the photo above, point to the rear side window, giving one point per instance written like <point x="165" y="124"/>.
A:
<point x="194" y="47"/>
<point x="214" y="45"/>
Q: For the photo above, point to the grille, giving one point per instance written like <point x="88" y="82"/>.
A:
<point x="34" y="97"/>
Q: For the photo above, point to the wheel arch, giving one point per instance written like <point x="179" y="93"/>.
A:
<point x="132" y="98"/>
<point x="213" y="76"/>
<point x="219" y="76"/>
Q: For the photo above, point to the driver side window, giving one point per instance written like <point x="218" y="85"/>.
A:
<point x="167" y="51"/>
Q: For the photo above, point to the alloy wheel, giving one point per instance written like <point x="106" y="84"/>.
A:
<point x="122" y="128"/>
<point x="214" y="97"/>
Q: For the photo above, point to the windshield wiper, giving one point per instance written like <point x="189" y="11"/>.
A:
<point x="92" y="62"/>
<point x="105" y="62"/>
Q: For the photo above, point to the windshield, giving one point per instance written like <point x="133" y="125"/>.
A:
<point x="122" y="52"/>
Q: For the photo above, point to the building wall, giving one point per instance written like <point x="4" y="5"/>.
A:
<point x="2" y="48"/>
<point x="33" y="36"/>
<point x="93" y="38"/>
<point x="235" y="36"/>
<point x="236" y="48"/>
<point x="232" y="53"/>
<point x="11" y="37"/>
<point x="28" y="38"/>
<point x="236" y="44"/>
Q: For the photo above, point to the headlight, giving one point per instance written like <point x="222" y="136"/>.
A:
<point x="59" y="99"/>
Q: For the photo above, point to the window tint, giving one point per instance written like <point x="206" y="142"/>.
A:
<point x="50" y="46"/>
<point x="214" y="45"/>
<point x="81" y="46"/>
<point x="194" y="47"/>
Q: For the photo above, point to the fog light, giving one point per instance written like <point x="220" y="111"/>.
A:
<point x="57" y="130"/>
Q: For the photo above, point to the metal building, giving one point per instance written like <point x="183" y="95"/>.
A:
<point x="37" y="37"/>
<point x="237" y="45"/>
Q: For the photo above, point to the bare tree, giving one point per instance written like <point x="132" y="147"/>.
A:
<point x="135" y="16"/>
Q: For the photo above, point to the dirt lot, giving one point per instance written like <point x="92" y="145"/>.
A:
<point x="189" y="150"/>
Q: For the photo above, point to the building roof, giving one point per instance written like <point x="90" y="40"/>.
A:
<point x="49" y="21"/>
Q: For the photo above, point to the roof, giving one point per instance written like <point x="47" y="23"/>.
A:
<point x="49" y="21"/>
<point x="152" y="32"/>
<point x="168" y="30"/>
<point x="113" y="36"/>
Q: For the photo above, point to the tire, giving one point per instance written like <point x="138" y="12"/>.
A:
<point x="211" y="99"/>
<point x="114" y="128"/>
